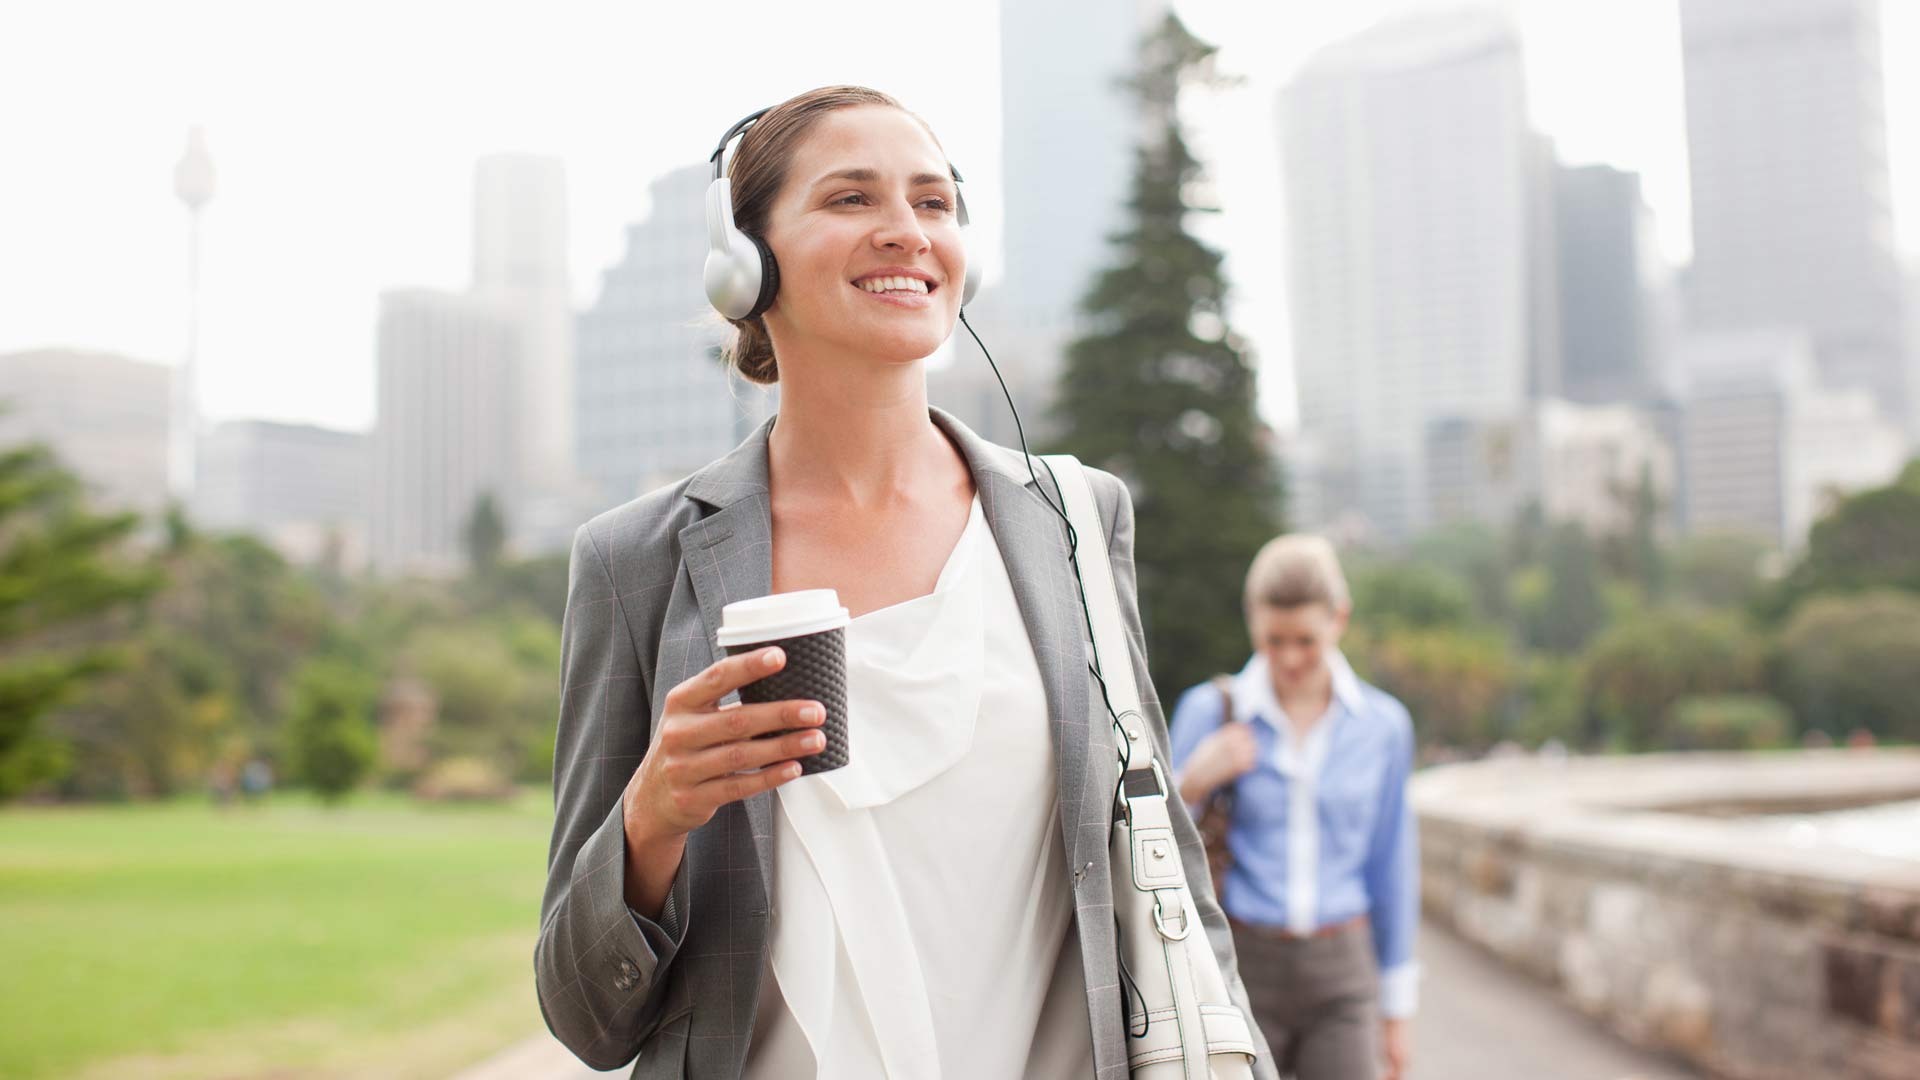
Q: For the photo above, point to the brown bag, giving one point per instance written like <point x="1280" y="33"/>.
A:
<point x="1217" y="815"/>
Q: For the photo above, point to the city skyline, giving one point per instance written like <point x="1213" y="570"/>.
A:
<point x="309" y="229"/>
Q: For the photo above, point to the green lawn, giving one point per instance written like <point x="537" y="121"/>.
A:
<point x="379" y="939"/>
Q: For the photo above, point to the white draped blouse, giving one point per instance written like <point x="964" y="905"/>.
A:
<point x="921" y="924"/>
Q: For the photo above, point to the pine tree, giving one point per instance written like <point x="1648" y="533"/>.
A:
<point x="58" y="569"/>
<point x="1159" y="392"/>
<point x="485" y="535"/>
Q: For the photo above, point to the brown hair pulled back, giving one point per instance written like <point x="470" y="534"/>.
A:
<point x="759" y="169"/>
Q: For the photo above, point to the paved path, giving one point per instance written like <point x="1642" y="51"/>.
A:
<point x="1478" y="1021"/>
<point x="1481" y="1020"/>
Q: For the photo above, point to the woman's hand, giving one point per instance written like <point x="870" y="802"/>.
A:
<point x="1221" y="758"/>
<point x="1394" y="1042"/>
<point x="705" y="755"/>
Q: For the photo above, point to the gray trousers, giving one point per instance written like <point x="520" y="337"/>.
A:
<point x="1316" y="1000"/>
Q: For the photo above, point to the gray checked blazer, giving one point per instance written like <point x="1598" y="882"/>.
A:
<point x="644" y="594"/>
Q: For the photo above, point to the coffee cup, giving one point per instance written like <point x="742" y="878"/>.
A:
<point x="810" y="626"/>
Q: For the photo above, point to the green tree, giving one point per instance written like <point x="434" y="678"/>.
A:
<point x="1475" y="554"/>
<point x="1642" y="666"/>
<point x="211" y="658"/>
<point x="485" y="535"/>
<point x="1409" y="594"/>
<point x="1454" y="682"/>
<point x="62" y="567"/>
<point x="494" y="682"/>
<point x="1853" y="661"/>
<point x="330" y="739"/>
<point x="1563" y="616"/>
<point x="1160" y="392"/>
<point x="1717" y="569"/>
<point x="1871" y="540"/>
<point x="1635" y="553"/>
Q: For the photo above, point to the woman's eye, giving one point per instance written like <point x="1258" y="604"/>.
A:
<point x="850" y="200"/>
<point x="936" y="203"/>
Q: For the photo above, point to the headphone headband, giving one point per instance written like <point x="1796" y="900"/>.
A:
<point x="736" y="129"/>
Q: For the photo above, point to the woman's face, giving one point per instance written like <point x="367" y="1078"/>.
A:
<point x="1296" y="642"/>
<point x="869" y="248"/>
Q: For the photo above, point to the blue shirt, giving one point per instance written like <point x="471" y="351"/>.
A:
<point x="1321" y="830"/>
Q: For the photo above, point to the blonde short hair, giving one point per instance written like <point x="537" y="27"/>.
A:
<point x="1294" y="570"/>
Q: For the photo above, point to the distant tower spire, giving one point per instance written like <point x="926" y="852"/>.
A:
<point x="193" y="183"/>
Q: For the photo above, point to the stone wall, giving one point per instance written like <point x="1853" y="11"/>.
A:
<point x="1706" y="937"/>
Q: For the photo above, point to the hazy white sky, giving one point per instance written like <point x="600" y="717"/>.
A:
<point x="344" y="137"/>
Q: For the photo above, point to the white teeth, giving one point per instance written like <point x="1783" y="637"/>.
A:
<point x="893" y="284"/>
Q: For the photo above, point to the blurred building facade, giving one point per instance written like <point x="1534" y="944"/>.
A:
<point x="652" y="400"/>
<point x="1063" y="113"/>
<point x="106" y="416"/>
<point x="1580" y="464"/>
<point x="1615" y="290"/>
<point x="520" y="267"/>
<point x="448" y="378"/>
<point x="1413" y="248"/>
<point x="1792" y="211"/>
<point x="301" y="488"/>
<point x="1765" y="447"/>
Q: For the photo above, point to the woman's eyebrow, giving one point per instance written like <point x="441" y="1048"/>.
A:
<point x="868" y="176"/>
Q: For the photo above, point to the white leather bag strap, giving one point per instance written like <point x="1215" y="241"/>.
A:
<point x="1150" y="845"/>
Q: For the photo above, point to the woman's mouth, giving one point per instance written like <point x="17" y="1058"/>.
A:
<point x="900" y="290"/>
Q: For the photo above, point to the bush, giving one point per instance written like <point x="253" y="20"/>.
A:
<point x="1727" y="722"/>
<point x="1640" y="668"/>
<point x="330" y="740"/>
<point x="1853" y="661"/>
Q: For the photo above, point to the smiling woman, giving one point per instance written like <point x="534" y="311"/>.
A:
<point x="832" y="209"/>
<point x="941" y="904"/>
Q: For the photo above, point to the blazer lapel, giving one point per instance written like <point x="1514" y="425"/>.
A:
<point x="729" y="556"/>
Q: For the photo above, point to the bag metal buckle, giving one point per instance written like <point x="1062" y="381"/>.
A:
<point x="1160" y="917"/>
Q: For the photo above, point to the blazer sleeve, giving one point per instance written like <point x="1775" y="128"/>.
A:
<point x="1116" y="507"/>
<point x="600" y="971"/>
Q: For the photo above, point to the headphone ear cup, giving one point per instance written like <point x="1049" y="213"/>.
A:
<point x="769" y="278"/>
<point x="734" y="274"/>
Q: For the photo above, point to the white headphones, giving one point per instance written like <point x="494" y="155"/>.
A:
<point x="741" y="275"/>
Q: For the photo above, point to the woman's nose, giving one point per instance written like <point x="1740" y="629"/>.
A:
<point x="900" y="230"/>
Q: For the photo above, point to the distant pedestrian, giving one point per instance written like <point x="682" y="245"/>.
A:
<point x="256" y="780"/>
<point x="1323" y="886"/>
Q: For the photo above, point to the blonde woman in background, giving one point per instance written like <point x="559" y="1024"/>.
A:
<point x="1323" y="890"/>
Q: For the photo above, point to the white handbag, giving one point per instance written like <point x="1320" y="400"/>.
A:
<point x="1181" y="1022"/>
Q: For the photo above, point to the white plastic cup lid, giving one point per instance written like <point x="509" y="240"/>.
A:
<point x="781" y="615"/>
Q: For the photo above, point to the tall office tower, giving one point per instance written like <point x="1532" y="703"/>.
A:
<point x="653" y="402"/>
<point x="1792" y="216"/>
<point x="1612" y="284"/>
<point x="447" y="425"/>
<point x="1764" y="448"/>
<point x="1412" y="203"/>
<point x="105" y="416"/>
<point x="299" y="487"/>
<point x="1068" y="133"/>
<point x="520" y="266"/>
